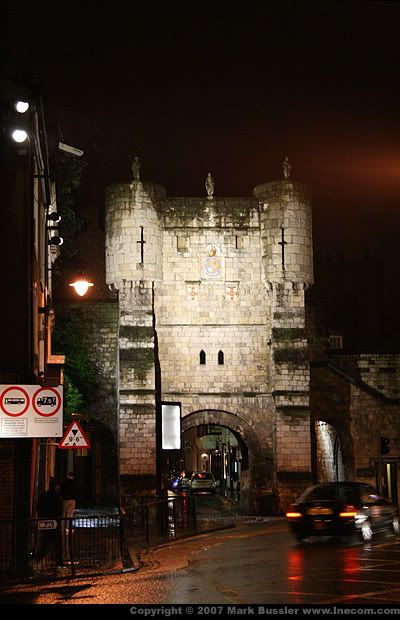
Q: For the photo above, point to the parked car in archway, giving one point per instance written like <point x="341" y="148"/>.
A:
<point x="202" y="482"/>
<point x="342" y="509"/>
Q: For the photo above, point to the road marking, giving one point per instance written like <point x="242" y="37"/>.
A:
<point x="232" y="595"/>
<point x="386" y="583"/>
<point x="350" y="597"/>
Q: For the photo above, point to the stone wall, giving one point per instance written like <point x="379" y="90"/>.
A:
<point x="380" y="371"/>
<point x="371" y="416"/>
<point x="359" y="416"/>
<point x="97" y="327"/>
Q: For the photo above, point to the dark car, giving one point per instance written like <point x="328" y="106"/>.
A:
<point x="342" y="509"/>
<point x="184" y="481"/>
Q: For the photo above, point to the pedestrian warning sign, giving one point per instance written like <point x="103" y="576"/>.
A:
<point x="74" y="437"/>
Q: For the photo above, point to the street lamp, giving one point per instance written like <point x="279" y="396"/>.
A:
<point x="81" y="285"/>
<point x="19" y="134"/>
<point x="21" y="106"/>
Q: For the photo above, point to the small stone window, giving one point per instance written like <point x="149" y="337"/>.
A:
<point x="220" y="358"/>
<point x="181" y="243"/>
<point x="335" y="342"/>
<point x="239" y="242"/>
<point x="202" y="358"/>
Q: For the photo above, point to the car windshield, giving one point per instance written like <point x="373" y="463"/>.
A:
<point x="203" y="476"/>
<point x="348" y="494"/>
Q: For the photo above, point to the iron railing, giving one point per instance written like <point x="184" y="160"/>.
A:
<point x="92" y="542"/>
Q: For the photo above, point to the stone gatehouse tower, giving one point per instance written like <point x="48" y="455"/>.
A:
<point x="200" y="276"/>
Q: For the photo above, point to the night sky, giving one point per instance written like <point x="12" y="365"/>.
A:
<point x="231" y="88"/>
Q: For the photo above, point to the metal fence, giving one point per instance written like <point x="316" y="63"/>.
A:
<point x="94" y="542"/>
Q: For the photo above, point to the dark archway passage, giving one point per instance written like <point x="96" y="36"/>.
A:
<point x="219" y="450"/>
<point x="330" y="461"/>
<point x="95" y="468"/>
<point x="243" y="460"/>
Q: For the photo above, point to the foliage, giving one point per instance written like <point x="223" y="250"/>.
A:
<point x="79" y="373"/>
<point x="73" y="397"/>
<point x="68" y="181"/>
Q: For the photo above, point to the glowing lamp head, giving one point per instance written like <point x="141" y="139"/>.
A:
<point x="81" y="286"/>
<point x="21" y="106"/>
<point x="19" y="135"/>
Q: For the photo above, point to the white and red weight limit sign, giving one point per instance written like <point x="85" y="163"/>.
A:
<point x="31" y="411"/>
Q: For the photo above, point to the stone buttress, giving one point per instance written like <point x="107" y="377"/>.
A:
<point x="133" y="267"/>
<point x="286" y="232"/>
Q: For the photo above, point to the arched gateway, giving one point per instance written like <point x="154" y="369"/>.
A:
<point x="256" y="461"/>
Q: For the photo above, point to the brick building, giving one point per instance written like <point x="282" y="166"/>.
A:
<point x="28" y="216"/>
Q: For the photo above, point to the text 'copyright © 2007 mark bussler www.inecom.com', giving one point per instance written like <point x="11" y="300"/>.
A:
<point x="259" y="610"/>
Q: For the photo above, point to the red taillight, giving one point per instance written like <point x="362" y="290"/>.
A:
<point x="348" y="512"/>
<point x="293" y="512"/>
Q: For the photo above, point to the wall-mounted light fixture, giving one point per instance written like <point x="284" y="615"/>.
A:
<point x="81" y="285"/>
<point x="54" y="217"/>
<point x="55" y="240"/>
<point x="21" y="106"/>
<point x="19" y="134"/>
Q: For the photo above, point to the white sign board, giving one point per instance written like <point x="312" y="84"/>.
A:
<point x="171" y="426"/>
<point x="31" y="411"/>
<point x="47" y="524"/>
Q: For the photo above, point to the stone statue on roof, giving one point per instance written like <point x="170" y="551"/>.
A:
<point x="136" y="169"/>
<point x="286" y="168"/>
<point x="210" y="186"/>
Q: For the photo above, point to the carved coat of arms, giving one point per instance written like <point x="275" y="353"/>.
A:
<point x="213" y="263"/>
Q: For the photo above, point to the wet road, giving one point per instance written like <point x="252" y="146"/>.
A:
<point x="250" y="564"/>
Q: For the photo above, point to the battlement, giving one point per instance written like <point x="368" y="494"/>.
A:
<point x="214" y="213"/>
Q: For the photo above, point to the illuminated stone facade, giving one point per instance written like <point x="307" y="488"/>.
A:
<point x="214" y="275"/>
